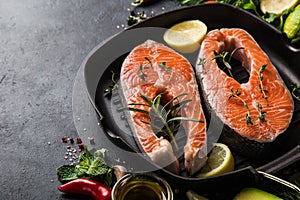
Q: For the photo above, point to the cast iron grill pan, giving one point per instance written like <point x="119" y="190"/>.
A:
<point x="109" y="57"/>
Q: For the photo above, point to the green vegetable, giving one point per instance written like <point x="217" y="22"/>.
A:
<point x="66" y="173"/>
<point x="91" y="165"/>
<point x="253" y="193"/>
<point x="276" y="20"/>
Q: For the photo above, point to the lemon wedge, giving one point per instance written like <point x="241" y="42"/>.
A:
<point x="277" y="6"/>
<point x="220" y="161"/>
<point x="186" y="36"/>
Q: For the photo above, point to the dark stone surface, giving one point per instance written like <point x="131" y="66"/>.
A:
<point x="42" y="46"/>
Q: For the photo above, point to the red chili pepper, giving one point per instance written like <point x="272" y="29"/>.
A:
<point x="93" y="189"/>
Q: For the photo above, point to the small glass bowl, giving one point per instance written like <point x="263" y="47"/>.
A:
<point x="141" y="186"/>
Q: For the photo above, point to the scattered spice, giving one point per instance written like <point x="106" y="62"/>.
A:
<point x="79" y="141"/>
<point x="92" y="140"/>
<point x="64" y="139"/>
<point x="81" y="146"/>
<point x="237" y="94"/>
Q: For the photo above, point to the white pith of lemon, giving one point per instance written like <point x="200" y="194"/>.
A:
<point x="186" y="36"/>
<point x="277" y="6"/>
<point x="220" y="161"/>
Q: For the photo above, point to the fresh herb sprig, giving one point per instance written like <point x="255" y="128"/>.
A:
<point x="237" y="94"/>
<point x="163" y="65"/>
<point x="295" y="88"/>
<point x="166" y="115"/>
<point x="202" y="61"/>
<point x="261" y="87"/>
<point x="222" y="57"/>
<point x="142" y="74"/>
<point x="91" y="165"/>
<point x="114" y="85"/>
<point x="261" y="114"/>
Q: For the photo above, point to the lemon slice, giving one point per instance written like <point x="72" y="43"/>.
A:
<point x="220" y="161"/>
<point x="277" y="6"/>
<point x="292" y="23"/>
<point x="186" y="36"/>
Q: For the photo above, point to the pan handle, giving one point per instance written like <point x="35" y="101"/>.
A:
<point x="287" y="159"/>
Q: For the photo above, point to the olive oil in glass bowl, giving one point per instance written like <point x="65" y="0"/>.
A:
<point x="142" y="186"/>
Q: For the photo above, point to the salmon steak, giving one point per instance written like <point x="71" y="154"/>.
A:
<point x="152" y="69"/>
<point x="258" y="110"/>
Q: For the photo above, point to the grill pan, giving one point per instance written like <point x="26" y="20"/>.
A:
<point x="108" y="57"/>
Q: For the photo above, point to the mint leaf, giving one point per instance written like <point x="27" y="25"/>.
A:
<point x="66" y="173"/>
<point x="91" y="165"/>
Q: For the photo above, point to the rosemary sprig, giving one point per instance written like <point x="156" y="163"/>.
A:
<point x="261" y="114"/>
<point x="222" y="57"/>
<point x="114" y="85"/>
<point x="295" y="87"/>
<point x="261" y="87"/>
<point x="166" y="115"/>
<point x="237" y="94"/>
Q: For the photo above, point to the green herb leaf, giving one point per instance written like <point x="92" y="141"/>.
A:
<point x="114" y="85"/>
<point x="261" y="115"/>
<point x="91" y="165"/>
<point x="136" y="110"/>
<point x="295" y="88"/>
<point x="248" y="119"/>
<point x="66" y="173"/>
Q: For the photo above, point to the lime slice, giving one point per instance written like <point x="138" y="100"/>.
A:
<point x="292" y="23"/>
<point x="186" y="36"/>
<point x="220" y="161"/>
<point x="277" y="6"/>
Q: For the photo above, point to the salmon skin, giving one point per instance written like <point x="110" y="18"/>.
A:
<point x="152" y="68"/>
<point x="258" y="110"/>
